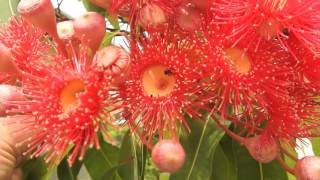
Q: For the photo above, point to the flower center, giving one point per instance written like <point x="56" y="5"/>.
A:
<point x="69" y="95"/>
<point x="158" y="80"/>
<point x="239" y="59"/>
<point x="269" y="29"/>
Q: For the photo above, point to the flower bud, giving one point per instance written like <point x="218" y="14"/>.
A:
<point x="65" y="30"/>
<point x="115" y="61"/>
<point x="168" y="155"/>
<point x="8" y="93"/>
<point x="90" y="29"/>
<point x="262" y="149"/>
<point x="308" y="168"/>
<point x="40" y="13"/>
<point x="6" y="63"/>
<point x="188" y="17"/>
<point x="152" y="16"/>
<point x="202" y="4"/>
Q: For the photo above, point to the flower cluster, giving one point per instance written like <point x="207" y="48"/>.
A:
<point x="254" y="63"/>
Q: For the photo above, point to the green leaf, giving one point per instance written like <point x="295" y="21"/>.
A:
<point x="127" y="157"/>
<point x="316" y="146"/>
<point x="248" y="168"/>
<point x="8" y="8"/>
<point x="91" y="7"/>
<point x="107" y="39"/>
<point x="35" y="169"/>
<point x="111" y="174"/>
<point x="68" y="173"/>
<point x="141" y="154"/>
<point x="200" y="146"/>
<point x="223" y="167"/>
<point x="98" y="162"/>
<point x="290" y="162"/>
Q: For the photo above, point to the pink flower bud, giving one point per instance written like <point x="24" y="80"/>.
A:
<point x="168" y="155"/>
<point x="6" y="63"/>
<point x="39" y="13"/>
<point x="90" y="29"/>
<point x="262" y="149"/>
<point x="202" y="4"/>
<point x="8" y="93"/>
<point x="116" y="61"/>
<point x="152" y="17"/>
<point x="308" y="168"/>
<point x="188" y="17"/>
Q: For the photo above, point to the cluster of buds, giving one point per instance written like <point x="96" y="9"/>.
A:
<point x="252" y="62"/>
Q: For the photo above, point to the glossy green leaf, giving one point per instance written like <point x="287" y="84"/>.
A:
<point x="316" y="146"/>
<point x="7" y="9"/>
<point x="141" y="155"/>
<point x="68" y="173"/>
<point x="223" y="167"/>
<point x="35" y="169"/>
<point x="111" y="174"/>
<point x="107" y="39"/>
<point x="200" y="146"/>
<point x="98" y="162"/>
<point x="91" y="7"/>
<point x="128" y="158"/>
<point x="291" y="163"/>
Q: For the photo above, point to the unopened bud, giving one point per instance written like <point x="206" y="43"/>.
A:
<point x="152" y="16"/>
<point x="188" y="17"/>
<point x="90" y="29"/>
<point x="261" y="149"/>
<point x="308" y="168"/>
<point x="115" y="61"/>
<point x="168" y="155"/>
<point x="40" y="13"/>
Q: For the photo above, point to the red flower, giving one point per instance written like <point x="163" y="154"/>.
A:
<point x="270" y="19"/>
<point x="306" y="65"/>
<point x="164" y="83"/>
<point x="243" y="78"/>
<point x="27" y="43"/>
<point x="293" y="118"/>
<point x="68" y="100"/>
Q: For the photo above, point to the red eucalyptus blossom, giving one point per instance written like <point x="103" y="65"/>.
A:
<point x="164" y="82"/>
<point x="68" y="100"/>
<point x="27" y="43"/>
<point x="270" y="19"/>
<point x="242" y="78"/>
<point x="67" y="97"/>
<point x="306" y="64"/>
